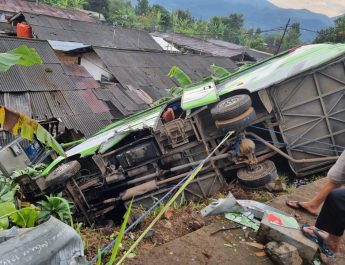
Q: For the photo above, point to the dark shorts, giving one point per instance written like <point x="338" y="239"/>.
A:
<point x="332" y="216"/>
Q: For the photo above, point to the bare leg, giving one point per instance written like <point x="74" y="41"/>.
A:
<point x="314" y="204"/>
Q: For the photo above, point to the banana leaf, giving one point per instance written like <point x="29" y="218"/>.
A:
<point x="181" y="77"/>
<point x="23" y="55"/>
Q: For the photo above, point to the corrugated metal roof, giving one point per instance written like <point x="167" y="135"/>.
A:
<point x="16" y="6"/>
<point x="47" y="91"/>
<point x="19" y="102"/>
<point x="212" y="46"/>
<point x="43" y="47"/>
<point x="96" y="105"/>
<point x="256" y="54"/>
<point x="148" y="70"/>
<point x="80" y="76"/>
<point x="51" y="28"/>
<point x="66" y="46"/>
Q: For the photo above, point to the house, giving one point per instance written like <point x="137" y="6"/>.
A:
<point x="188" y="44"/>
<point x="144" y="73"/>
<point x="59" y="96"/>
<point x="85" y="32"/>
<point x="11" y="7"/>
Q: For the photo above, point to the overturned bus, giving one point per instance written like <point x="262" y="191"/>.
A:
<point x="291" y="105"/>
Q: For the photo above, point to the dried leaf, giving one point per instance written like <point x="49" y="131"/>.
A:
<point x="260" y="254"/>
<point x="168" y="214"/>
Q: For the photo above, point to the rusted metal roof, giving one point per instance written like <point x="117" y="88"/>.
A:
<point x="47" y="91"/>
<point x="16" y="6"/>
<point x="80" y="76"/>
<point x="60" y="29"/>
<point x="213" y="47"/>
<point x="146" y="72"/>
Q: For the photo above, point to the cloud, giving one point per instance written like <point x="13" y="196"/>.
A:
<point x="330" y="8"/>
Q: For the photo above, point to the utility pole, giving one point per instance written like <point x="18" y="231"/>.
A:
<point x="281" y="41"/>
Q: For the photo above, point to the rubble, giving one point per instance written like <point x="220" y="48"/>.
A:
<point x="272" y="232"/>
<point x="283" y="253"/>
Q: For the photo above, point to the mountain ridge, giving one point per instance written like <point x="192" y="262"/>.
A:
<point x="255" y="14"/>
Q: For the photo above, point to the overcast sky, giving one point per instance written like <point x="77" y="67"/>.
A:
<point x="330" y="8"/>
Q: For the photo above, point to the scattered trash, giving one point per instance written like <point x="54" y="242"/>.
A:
<point x="257" y="208"/>
<point x="247" y="219"/>
<point x="221" y="206"/>
<point x="282" y="220"/>
<point x="225" y="229"/>
<point x="255" y="245"/>
<point x="229" y="245"/>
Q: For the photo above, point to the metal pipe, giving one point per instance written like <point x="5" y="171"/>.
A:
<point x="297" y="161"/>
<point x="174" y="169"/>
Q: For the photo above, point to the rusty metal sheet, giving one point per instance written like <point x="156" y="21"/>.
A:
<point x="16" y="6"/>
<point x="40" y="106"/>
<point x="19" y="102"/>
<point x="75" y="70"/>
<point x="148" y="70"/>
<point x="84" y="82"/>
<point x="62" y="29"/>
<point x="96" y="105"/>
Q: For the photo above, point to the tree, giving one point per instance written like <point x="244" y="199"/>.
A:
<point x="233" y="27"/>
<point x="165" y="18"/>
<point x="216" y="28"/>
<point x="142" y="7"/>
<point x="100" y="6"/>
<point x="292" y="37"/>
<point x="122" y="13"/>
<point x="66" y="3"/>
<point x="334" y="34"/>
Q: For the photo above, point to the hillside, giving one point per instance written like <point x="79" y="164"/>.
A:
<point x="257" y="13"/>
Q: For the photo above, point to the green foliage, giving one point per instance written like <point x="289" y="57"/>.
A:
<point x="25" y="217"/>
<point x="116" y="247"/>
<point x="66" y="3"/>
<point x="181" y="77"/>
<point x="142" y="7"/>
<point x="291" y="38"/>
<point x="334" y="34"/>
<point x="218" y="71"/>
<point x="56" y="206"/>
<point x="6" y="209"/>
<point x="8" y="189"/>
<point x="23" y="55"/>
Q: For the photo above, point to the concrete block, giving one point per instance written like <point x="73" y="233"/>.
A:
<point x="283" y="253"/>
<point x="307" y="249"/>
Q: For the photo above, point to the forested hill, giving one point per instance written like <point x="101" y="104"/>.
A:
<point x="257" y="13"/>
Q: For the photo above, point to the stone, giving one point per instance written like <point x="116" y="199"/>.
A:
<point x="283" y="253"/>
<point x="276" y="185"/>
<point x="267" y="232"/>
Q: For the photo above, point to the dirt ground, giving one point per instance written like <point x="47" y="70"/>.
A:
<point x="202" y="248"/>
<point x="183" y="236"/>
